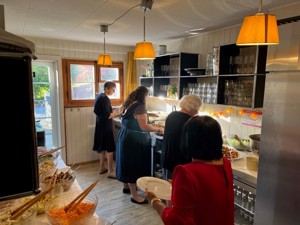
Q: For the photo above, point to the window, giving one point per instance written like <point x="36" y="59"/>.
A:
<point x="83" y="80"/>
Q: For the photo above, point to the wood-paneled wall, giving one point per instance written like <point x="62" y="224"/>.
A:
<point x="80" y="125"/>
<point x="204" y="43"/>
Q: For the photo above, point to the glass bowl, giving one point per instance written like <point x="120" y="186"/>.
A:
<point x="82" y="214"/>
<point x="48" y="164"/>
<point x="234" y="143"/>
<point x="24" y="219"/>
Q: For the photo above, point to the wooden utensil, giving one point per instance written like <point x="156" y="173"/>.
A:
<point x="240" y="141"/>
<point x="23" y="208"/>
<point x="72" y="205"/>
<point x="50" y="152"/>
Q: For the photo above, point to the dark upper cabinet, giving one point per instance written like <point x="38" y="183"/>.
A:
<point x="240" y="82"/>
<point x="169" y="74"/>
<point x="241" y="79"/>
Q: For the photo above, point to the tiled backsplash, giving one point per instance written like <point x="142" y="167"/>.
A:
<point x="233" y="120"/>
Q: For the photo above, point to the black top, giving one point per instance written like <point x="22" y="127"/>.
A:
<point x="171" y="151"/>
<point x="133" y="147"/>
<point x="103" y="137"/>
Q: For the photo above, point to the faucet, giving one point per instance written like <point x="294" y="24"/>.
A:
<point x="173" y="108"/>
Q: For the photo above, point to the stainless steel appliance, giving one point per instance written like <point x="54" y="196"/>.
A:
<point x="278" y="182"/>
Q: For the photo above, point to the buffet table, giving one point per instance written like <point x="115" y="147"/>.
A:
<point x="76" y="189"/>
<point x="96" y="220"/>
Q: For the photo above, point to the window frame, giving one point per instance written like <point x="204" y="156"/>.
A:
<point x="68" y="102"/>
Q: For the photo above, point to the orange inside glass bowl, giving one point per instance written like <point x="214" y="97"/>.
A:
<point x="82" y="214"/>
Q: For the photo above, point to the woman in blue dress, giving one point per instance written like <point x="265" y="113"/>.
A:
<point x="134" y="143"/>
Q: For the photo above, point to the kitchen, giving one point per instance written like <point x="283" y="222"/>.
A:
<point x="202" y="44"/>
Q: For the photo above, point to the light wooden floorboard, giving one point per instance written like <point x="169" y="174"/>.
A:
<point x="113" y="205"/>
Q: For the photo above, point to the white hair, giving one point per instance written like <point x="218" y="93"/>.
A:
<point x="190" y="103"/>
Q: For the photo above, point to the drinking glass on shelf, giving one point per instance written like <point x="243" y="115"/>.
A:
<point x="232" y="65"/>
<point x="164" y="69"/>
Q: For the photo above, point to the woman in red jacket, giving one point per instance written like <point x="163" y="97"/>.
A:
<point x="202" y="190"/>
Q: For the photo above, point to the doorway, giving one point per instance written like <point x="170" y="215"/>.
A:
<point x="46" y="105"/>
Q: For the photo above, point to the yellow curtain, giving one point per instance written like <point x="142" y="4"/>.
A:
<point x="131" y="79"/>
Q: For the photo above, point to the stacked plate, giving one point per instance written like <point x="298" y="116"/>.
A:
<point x="195" y="71"/>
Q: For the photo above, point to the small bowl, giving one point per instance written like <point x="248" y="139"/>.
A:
<point x="82" y="214"/>
<point x="24" y="219"/>
<point x="65" y="179"/>
<point x="48" y="165"/>
<point x="67" y="183"/>
<point x="255" y="143"/>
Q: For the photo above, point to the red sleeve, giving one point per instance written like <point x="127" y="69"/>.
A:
<point x="182" y="196"/>
<point x="229" y="175"/>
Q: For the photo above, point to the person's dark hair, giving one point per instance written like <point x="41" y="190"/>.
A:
<point x="202" y="138"/>
<point x="109" y="85"/>
<point x="138" y="95"/>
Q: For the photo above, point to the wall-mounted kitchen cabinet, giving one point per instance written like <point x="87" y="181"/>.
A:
<point x="168" y="80"/>
<point x="240" y="82"/>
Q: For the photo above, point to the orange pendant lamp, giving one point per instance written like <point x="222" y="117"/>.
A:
<point x="259" y="29"/>
<point x="144" y="50"/>
<point x="104" y="59"/>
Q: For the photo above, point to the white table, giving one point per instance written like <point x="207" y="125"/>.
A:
<point x="42" y="219"/>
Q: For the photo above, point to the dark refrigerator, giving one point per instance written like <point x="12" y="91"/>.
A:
<point x="19" y="164"/>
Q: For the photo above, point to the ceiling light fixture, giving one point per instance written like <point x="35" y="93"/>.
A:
<point x="104" y="59"/>
<point x="195" y="31"/>
<point x="259" y="29"/>
<point x="146" y="5"/>
<point x="144" y="50"/>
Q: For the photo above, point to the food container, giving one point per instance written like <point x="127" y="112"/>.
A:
<point x="239" y="144"/>
<point x="255" y="143"/>
<point x="6" y="208"/>
<point x="82" y="214"/>
<point x="63" y="179"/>
<point x="252" y="163"/>
<point x="48" y="164"/>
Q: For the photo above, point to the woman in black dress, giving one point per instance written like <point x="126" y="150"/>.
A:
<point x="103" y="138"/>
<point x="171" y="152"/>
<point x="134" y="143"/>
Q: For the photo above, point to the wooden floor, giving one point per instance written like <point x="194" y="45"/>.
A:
<point x="113" y="205"/>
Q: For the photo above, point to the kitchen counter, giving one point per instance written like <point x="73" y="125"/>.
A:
<point x="242" y="175"/>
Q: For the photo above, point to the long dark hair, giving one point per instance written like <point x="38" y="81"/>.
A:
<point x="137" y="95"/>
<point x="202" y="138"/>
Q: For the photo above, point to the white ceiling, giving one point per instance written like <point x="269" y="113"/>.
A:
<point x="80" y="20"/>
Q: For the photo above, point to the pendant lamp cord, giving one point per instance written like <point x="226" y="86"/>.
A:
<point x="144" y="24"/>
<point x="104" y="42"/>
<point x="260" y="7"/>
